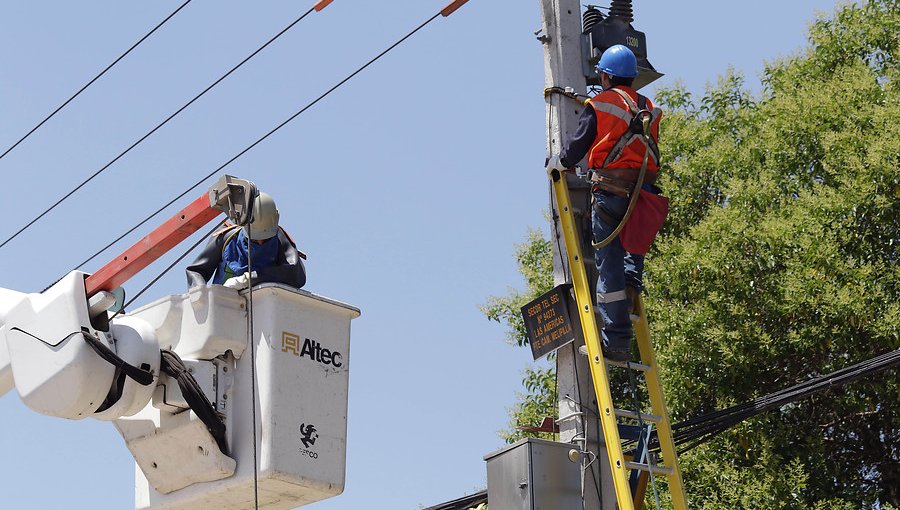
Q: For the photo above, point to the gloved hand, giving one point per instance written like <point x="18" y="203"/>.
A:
<point x="553" y="163"/>
<point x="238" y="282"/>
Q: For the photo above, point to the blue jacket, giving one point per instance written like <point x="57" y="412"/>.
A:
<point x="225" y="256"/>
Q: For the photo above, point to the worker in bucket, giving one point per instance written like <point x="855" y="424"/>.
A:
<point x="618" y="133"/>
<point x="261" y="243"/>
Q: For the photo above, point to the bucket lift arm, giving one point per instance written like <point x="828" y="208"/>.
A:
<point x="53" y="344"/>
<point x="186" y="380"/>
<point x="229" y="195"/>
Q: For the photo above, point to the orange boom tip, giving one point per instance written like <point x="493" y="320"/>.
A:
<point x="452" y="6"/>
<point x="321" y="4"/>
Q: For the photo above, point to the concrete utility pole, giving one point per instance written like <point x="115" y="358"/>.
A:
<point x="561" y="38"/>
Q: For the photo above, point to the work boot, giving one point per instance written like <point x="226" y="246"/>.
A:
<point x="617" y="354"/>
<point x="632" y="294"/>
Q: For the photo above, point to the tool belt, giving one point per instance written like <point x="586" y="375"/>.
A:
<point x="619" y="181"/>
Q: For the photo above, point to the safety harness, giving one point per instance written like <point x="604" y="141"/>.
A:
<point x="639" y="125"/>
<point x="621" y="181"/>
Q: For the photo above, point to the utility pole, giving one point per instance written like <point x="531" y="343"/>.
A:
<point x="579" y="425"/>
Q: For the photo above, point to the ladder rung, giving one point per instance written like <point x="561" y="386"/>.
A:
<point x="626" y="413"/>
<point x="656" y="470"/>
<point x="633" y="365"/>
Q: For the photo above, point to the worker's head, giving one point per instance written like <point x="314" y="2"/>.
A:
<point x="617" y="66"/>
<point x="264" y="222"/>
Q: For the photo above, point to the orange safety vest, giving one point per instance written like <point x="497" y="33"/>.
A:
<point x="614" y="147"/>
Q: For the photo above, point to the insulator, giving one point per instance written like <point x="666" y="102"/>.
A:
<point x="591" y="17"/>
<point x="621" y="9"/>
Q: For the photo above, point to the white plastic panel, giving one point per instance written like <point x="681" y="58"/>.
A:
<point x="56" y="372"/>
<point x="303" y="359"/>
<point x="176" y="455"/>
<point x="201" y="324"/>
<point x="8" y="300"/>
<point x="136" y="344"/>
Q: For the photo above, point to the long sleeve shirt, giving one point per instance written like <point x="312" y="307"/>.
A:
<point x="287" y="269"/>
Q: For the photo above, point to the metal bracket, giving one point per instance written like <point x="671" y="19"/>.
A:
<point x="234" y="197"/>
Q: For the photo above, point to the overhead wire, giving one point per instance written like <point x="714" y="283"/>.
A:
<point x="444" y="12"/>
<point x="167" y="269"/>
<point x="690" y="433"/>
<point x="253" y="385"/>
<point x="74" y="190"/>
<point x="95" y="78"/>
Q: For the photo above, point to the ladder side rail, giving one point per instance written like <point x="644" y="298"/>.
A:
<point x="592" y="341"/>
<point x="658" y="404"/>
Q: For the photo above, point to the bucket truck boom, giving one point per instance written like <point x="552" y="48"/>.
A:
<point x="175" y="379"/>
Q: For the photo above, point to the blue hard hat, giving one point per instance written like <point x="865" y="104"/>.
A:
<point x="618" y="61"/>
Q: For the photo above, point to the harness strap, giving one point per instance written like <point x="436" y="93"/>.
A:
<point x="637" y="127"/>
<point x="229" y="235"/>
<point x="620" y="181"/>
<point x="618" y="187"/>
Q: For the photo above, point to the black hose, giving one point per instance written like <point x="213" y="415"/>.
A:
<point x="174" y="367"/>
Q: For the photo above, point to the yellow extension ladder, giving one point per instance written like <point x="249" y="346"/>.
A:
<point x="609" y="415"/>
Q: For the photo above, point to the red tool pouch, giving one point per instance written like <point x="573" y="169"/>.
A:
<point x="646" y="219"/>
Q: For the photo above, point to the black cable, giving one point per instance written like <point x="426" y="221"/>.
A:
<point x="172" y="365"/>
<point x="140" y="375"/>
<point x="251" y="341"/>
<point x="698" y="430"/>
<point x="260" y="140"/>
<point x="158" y="126"/>
<point x="95" y="78"/>
<point x="167" y="269"/>
<point x="594" y="476"/>
<point x="553" y="212"/>
<point x="139" y="225"/>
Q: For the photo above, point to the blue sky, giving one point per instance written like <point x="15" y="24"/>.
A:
<point x="408" y="188"/>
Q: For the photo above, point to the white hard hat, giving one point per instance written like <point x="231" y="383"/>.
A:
<point x="264" y="222"/>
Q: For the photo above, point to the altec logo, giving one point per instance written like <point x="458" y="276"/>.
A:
<point x="315" y="352"/>
<point x="311" y="349"/>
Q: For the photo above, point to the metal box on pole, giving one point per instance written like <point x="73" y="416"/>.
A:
<point x="533" y="474"/>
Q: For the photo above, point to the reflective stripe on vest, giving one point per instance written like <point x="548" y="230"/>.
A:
<point x="612" y="154"/>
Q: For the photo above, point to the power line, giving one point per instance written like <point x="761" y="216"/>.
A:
<point x="169" y="268"/>
<point x="95" y="78"/>
<point x="695" y="431"/>
<point x="317" y="7"/>
<point x="444" y="12"/>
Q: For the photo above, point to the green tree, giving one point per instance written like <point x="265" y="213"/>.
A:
<point x="779" y="262"/>
<point x="535" y="262"/>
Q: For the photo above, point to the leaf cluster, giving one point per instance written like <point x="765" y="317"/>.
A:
<point x="778" y="263"/>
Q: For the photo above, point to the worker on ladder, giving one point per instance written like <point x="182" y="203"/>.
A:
<point x="261" y="243"/>
<point x="619" y="135"/>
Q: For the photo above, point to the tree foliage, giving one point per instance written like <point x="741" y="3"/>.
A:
<point x="779" y="262"/>
<point x="534" y="259"/>
<point x="535" y="262"/>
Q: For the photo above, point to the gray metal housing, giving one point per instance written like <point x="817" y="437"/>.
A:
<point x="533" y="474"/>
